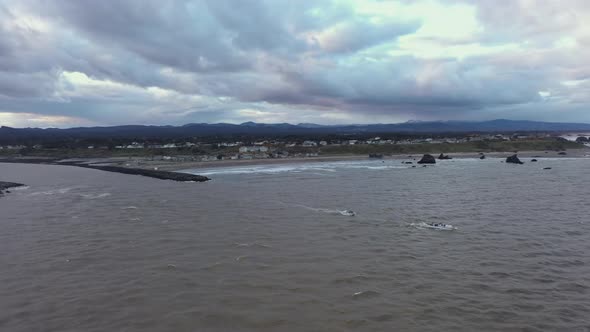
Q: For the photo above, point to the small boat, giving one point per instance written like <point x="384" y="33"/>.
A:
<point x="440" y="226"/>
<point x="349" y="213"/>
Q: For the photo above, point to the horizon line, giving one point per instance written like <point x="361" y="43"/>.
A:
<point x="300" y="124"/>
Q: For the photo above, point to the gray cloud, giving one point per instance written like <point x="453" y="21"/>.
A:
<point x="290" y="60"/>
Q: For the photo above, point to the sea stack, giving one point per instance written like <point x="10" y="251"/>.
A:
<point x="514" y="160"/>
<point x="427" y="159"/>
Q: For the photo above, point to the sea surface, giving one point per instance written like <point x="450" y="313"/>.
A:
<point x="266" y="248"/>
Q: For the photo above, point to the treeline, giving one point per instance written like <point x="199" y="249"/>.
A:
<point x="479" y="146"/>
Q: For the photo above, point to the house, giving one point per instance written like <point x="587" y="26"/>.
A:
<point x="309" y="143"/>
<point x="246" y="149"/>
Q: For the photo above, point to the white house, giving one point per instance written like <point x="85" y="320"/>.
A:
<point x="309" y="143"/>
<point x="246" y="149"/>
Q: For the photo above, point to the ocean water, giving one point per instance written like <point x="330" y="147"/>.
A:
<point x="266" y="248"/>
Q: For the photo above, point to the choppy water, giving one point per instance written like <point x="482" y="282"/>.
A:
<point x="266" y="249"/>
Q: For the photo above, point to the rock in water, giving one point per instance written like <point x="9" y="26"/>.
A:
<point x="547" y="168"/>
<point x="443" y="157"/>
<point x="534" y="160"/>
<point x="483" y="156"/>
<point x="514" y="160"/>
<point x="427" y="159"/>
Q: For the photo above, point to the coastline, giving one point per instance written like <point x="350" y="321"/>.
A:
<point x="172" y="170"/>
<point x="157" y="174"/>
<point x="4" y="186"/>
<point x="175" y="166"/>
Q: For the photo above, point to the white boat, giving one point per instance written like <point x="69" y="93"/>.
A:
<point x="440" y="226"/>
<point x="349" y="213"/>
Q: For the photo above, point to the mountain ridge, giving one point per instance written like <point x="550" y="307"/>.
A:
<point x="8" y="134"/>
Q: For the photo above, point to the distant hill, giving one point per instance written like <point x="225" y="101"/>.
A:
<point x="13" y="135"/>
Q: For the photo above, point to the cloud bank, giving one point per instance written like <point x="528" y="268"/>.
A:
<point x="70" y="63"/>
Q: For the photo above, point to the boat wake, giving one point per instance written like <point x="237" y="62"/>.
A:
<point x="95" y="196"/>
<point x="348" y="213"/>
<point x="435" y="226"/>
<point x="52" y="192"/>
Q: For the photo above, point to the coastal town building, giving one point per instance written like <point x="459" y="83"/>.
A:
<point x="309" y="143"/>
<point x="246" y="149"/>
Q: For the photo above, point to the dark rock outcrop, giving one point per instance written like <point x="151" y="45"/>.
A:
<point x="427" y="159"/>
<point x="482" y="157"/>
<point x="534" y="160"/>
<point x="7" y="185"/>
<point x="163" y="175"/>
<point x="443" y="157"/>
<point x="514" y="160"/>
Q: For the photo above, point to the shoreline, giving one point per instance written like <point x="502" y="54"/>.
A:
<point x="4" y="186"/>
<point x="172" y="170"/>
<point x="186" y="165"/>
<point x="176" y="166"/>
<point x="157" y="174"/>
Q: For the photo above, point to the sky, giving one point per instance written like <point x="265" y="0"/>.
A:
<point x="94" y="63"/>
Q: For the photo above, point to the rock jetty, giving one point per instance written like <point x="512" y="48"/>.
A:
<point x="7" y="185"/>
<point x="164" y="175"/>
<point x="427" y="159"/>
<point x="514" y="160"/>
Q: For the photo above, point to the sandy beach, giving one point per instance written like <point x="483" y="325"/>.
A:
<point x="183" y="165"/>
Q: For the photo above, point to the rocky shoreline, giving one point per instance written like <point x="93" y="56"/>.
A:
<point x="163" y="175"/>
<point x="4" y="186"/>
<point x="167" y="170"/>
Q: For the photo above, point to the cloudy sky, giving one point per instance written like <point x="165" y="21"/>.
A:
<point x="87" y="62"/>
